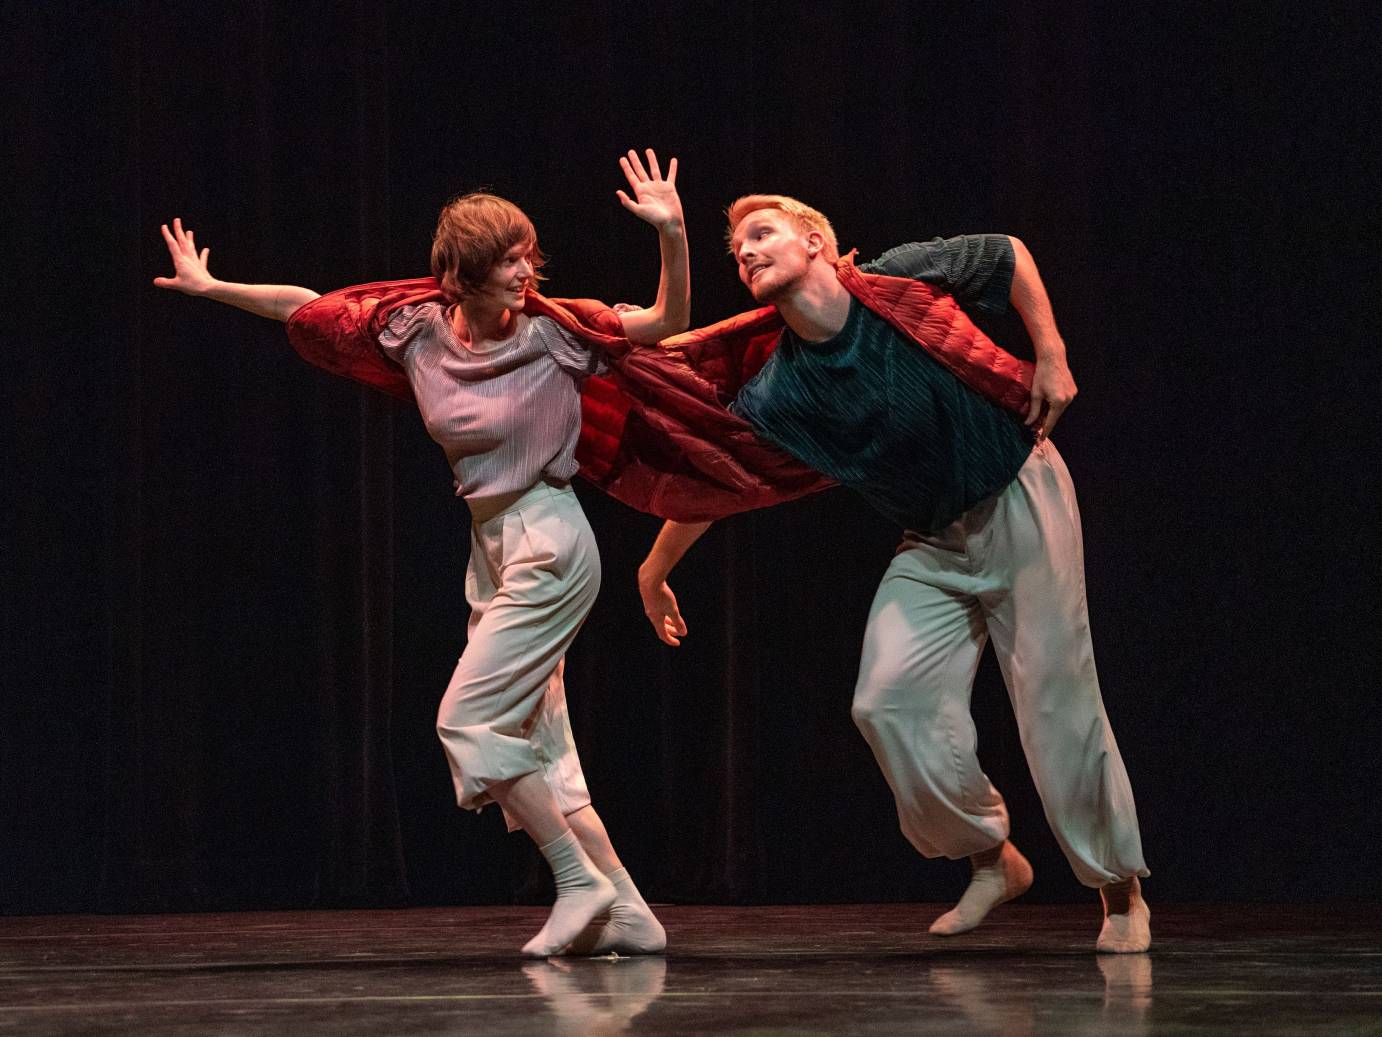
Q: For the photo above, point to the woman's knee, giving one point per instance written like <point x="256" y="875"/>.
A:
<point x="458" y="717"/>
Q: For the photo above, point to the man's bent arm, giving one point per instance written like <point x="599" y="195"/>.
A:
<point x="1053" y="388"/>
<point x="659" y="603"/>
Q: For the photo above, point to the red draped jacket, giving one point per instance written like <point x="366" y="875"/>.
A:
<point x="656" y="432"/>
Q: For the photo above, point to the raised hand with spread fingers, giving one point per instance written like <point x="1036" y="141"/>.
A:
<point x="655" y="201"/>
<point x="192" y="276"/>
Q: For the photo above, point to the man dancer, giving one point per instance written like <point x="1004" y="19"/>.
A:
<point x="992" y="545"/>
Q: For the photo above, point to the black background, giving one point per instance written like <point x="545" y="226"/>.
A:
<point x="233" y="585"/>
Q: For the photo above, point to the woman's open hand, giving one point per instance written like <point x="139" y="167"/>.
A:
<point x="654" y="199"/>
<point x="190" y="273"/>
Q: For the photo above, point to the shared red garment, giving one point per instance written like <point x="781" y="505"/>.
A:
<point x="656" y="431"/>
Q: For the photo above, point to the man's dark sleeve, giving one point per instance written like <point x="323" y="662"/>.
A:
<point x="977" y="269"/>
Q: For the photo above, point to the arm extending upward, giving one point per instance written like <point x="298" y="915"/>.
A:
<point x="655" y="201"/>
<point x="192" y="277"/>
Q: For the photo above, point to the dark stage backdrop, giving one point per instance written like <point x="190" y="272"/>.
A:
<point x="233" y="585"/>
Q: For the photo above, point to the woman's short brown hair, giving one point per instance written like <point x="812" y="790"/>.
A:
<point x="473" y="233"/>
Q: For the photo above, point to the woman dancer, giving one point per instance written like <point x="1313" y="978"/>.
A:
<point x="499" y="391"/>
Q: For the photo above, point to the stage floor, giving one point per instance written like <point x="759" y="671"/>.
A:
<point x="858" y="969"/>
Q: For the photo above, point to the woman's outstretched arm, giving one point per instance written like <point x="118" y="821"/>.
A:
<point x="192" y="277"/>
<point x="655" y="201"/>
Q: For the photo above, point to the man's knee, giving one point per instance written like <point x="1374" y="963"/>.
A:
<point x="888" y="696"/>
<point x="878" y="699"/>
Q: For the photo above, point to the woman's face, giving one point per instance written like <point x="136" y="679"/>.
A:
<point x="510" y="277"/>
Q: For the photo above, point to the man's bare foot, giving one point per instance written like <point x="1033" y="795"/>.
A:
<point x="999" y="875"/>
<point x="1127" y="925"/>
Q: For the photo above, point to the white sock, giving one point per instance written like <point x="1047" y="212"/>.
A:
<point x="998" y="876"/>
<point x="1129" y="931"/>
<point x="632" y="927"/>
<point x="582" y="893"/>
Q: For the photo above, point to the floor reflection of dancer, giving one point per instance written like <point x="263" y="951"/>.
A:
<point x="499" y="391"/>
<point x="597" y="998"/>
<point x="993" y="548"/>
<point x="994" y="999"/>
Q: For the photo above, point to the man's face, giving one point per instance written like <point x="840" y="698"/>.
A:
<point x="773" y="253"/>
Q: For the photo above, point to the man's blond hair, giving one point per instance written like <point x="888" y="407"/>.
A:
<point x="805" y="217"/>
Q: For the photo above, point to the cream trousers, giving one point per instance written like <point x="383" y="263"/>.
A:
<point x="533" y="576"/>
<point x="1010" y="569"/>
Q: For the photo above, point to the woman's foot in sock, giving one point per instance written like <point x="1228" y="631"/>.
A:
<point x="998" y="876"/>
<point x="631" y="927"/>
<point x="582" y="894"/>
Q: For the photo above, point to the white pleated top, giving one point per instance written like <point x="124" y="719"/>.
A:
<point x="506" y="416"/>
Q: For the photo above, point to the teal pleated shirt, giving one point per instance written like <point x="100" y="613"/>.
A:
<point x="873" y="410"/>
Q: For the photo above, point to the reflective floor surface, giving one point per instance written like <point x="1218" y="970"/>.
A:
<point x="858" y="969"/>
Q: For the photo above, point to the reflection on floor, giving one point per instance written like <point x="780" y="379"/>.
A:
<point x="858" y="969"/>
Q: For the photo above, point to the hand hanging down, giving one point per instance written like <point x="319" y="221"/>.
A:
<point x="660" y="606"/>
<point x="659" y="603"/>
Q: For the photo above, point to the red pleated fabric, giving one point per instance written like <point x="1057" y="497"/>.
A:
<point x="656" y="432"/>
